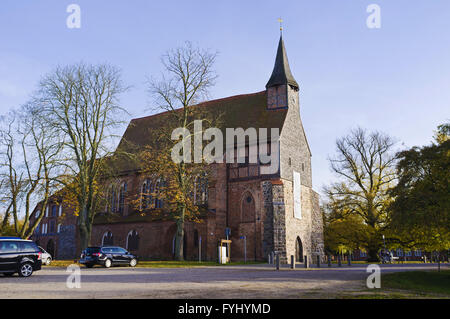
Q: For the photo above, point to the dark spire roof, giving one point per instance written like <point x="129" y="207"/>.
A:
<point x="281" y="73"/>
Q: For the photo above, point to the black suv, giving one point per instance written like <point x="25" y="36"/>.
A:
<point x="107" y="257"/>
<point x="19" y="256"/>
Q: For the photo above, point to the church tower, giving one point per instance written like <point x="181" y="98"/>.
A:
<point x="293" y="224"/>
<point x="282" y="84"/>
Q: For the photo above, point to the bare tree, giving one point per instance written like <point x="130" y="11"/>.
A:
<point x="28" y="166"/>
<point x="81" y="103"/>
<point x="186" y="81"/>
<point x="366" y="166"/>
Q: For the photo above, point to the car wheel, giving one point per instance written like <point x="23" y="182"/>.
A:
<point x="8" y="274"/>
<point x="25" y="270"/>
<point x="48" y="261"/>
<point x="133" y="262"/>
<point x="108" y="263"/>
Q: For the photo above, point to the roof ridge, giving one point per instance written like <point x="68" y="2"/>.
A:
<point x="205" y="103"/>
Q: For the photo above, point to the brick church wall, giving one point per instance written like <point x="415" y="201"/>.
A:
<point x="155" y="238"/>
<point x="251" y="228"/>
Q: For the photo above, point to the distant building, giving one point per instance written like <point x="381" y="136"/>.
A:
<point x="56" y="232"/>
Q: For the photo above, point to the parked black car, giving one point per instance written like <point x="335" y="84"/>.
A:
<point x="107" y="257"/>
<point x="19" y="256"/>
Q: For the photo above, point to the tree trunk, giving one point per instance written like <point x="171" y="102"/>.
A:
<point x="84" y="238"/>
<point x="84" y="230"/>
<point x="439" y="261"/>
<point x="372" y="251"/>
<point x="179" y="238"/>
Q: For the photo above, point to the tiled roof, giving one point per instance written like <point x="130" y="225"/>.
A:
<point x="247" y="110"/>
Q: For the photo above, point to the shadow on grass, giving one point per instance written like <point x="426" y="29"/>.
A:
<point x="419" y="281"/>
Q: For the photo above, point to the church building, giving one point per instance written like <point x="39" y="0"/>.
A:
<point x="257" y="213"/>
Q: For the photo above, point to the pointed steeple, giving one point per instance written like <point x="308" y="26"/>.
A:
<point x="281" y="73"/>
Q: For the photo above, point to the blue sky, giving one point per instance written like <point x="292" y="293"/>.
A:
<point x="395" y="79"/>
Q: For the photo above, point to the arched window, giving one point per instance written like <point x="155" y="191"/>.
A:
<point x="122" y="194"/>
<point x="112" y="199"/>
<point x="201" y="190"/>
<point x="158" y="201"/>
<point x="146" y="194"/>
<point x="54" y="211"/>
<point x="150" y="192"/>
<point x="108" y="239"/>
<point x="133" y="240"/>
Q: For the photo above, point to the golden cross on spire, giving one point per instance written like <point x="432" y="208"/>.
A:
<point x="281" y="24"/>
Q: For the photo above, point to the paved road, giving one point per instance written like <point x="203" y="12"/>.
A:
<point x="253" y="281"/>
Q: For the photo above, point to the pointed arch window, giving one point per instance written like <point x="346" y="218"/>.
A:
<point x="150" y="194"/>
<point x="201" y="190"/>
<point x="112" y="199"/>
<point x="146" y="194"/>
<point x="158" y="203"/>
<point x="108" y="239"/>
<point x="133" y="240"/>
<point x="122" y="194"/>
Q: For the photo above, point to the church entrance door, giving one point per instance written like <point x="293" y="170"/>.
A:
<point x="298" y="250"/>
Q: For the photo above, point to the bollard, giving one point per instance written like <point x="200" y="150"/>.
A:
<point x="269" y="259"/>
<point x="292" y="262"/>
<point x="318" y="261"/>
<point x="339" y="260"/>
<point x="272" y="258"/>
<point x="305" y="259"/>
<point x="278" y="262"/>
<point x="329" y="260"/>
<point x="349" y="260"/>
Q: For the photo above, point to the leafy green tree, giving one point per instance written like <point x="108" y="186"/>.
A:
<point x="365" y="166"/>
<point x="421" y="206"/>
<point x="344" y="233"/>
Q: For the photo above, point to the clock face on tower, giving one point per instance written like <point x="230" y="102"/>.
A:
<point x="277" y="97"/>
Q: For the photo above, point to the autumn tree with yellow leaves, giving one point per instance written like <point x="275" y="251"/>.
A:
<point x="359" y="201"/>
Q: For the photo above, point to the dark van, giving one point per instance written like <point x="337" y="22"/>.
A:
<point x="19" y="256"/>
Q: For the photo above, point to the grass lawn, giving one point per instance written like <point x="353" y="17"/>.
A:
<point x="419" y="281"/>
<point x="163" y="263"/>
